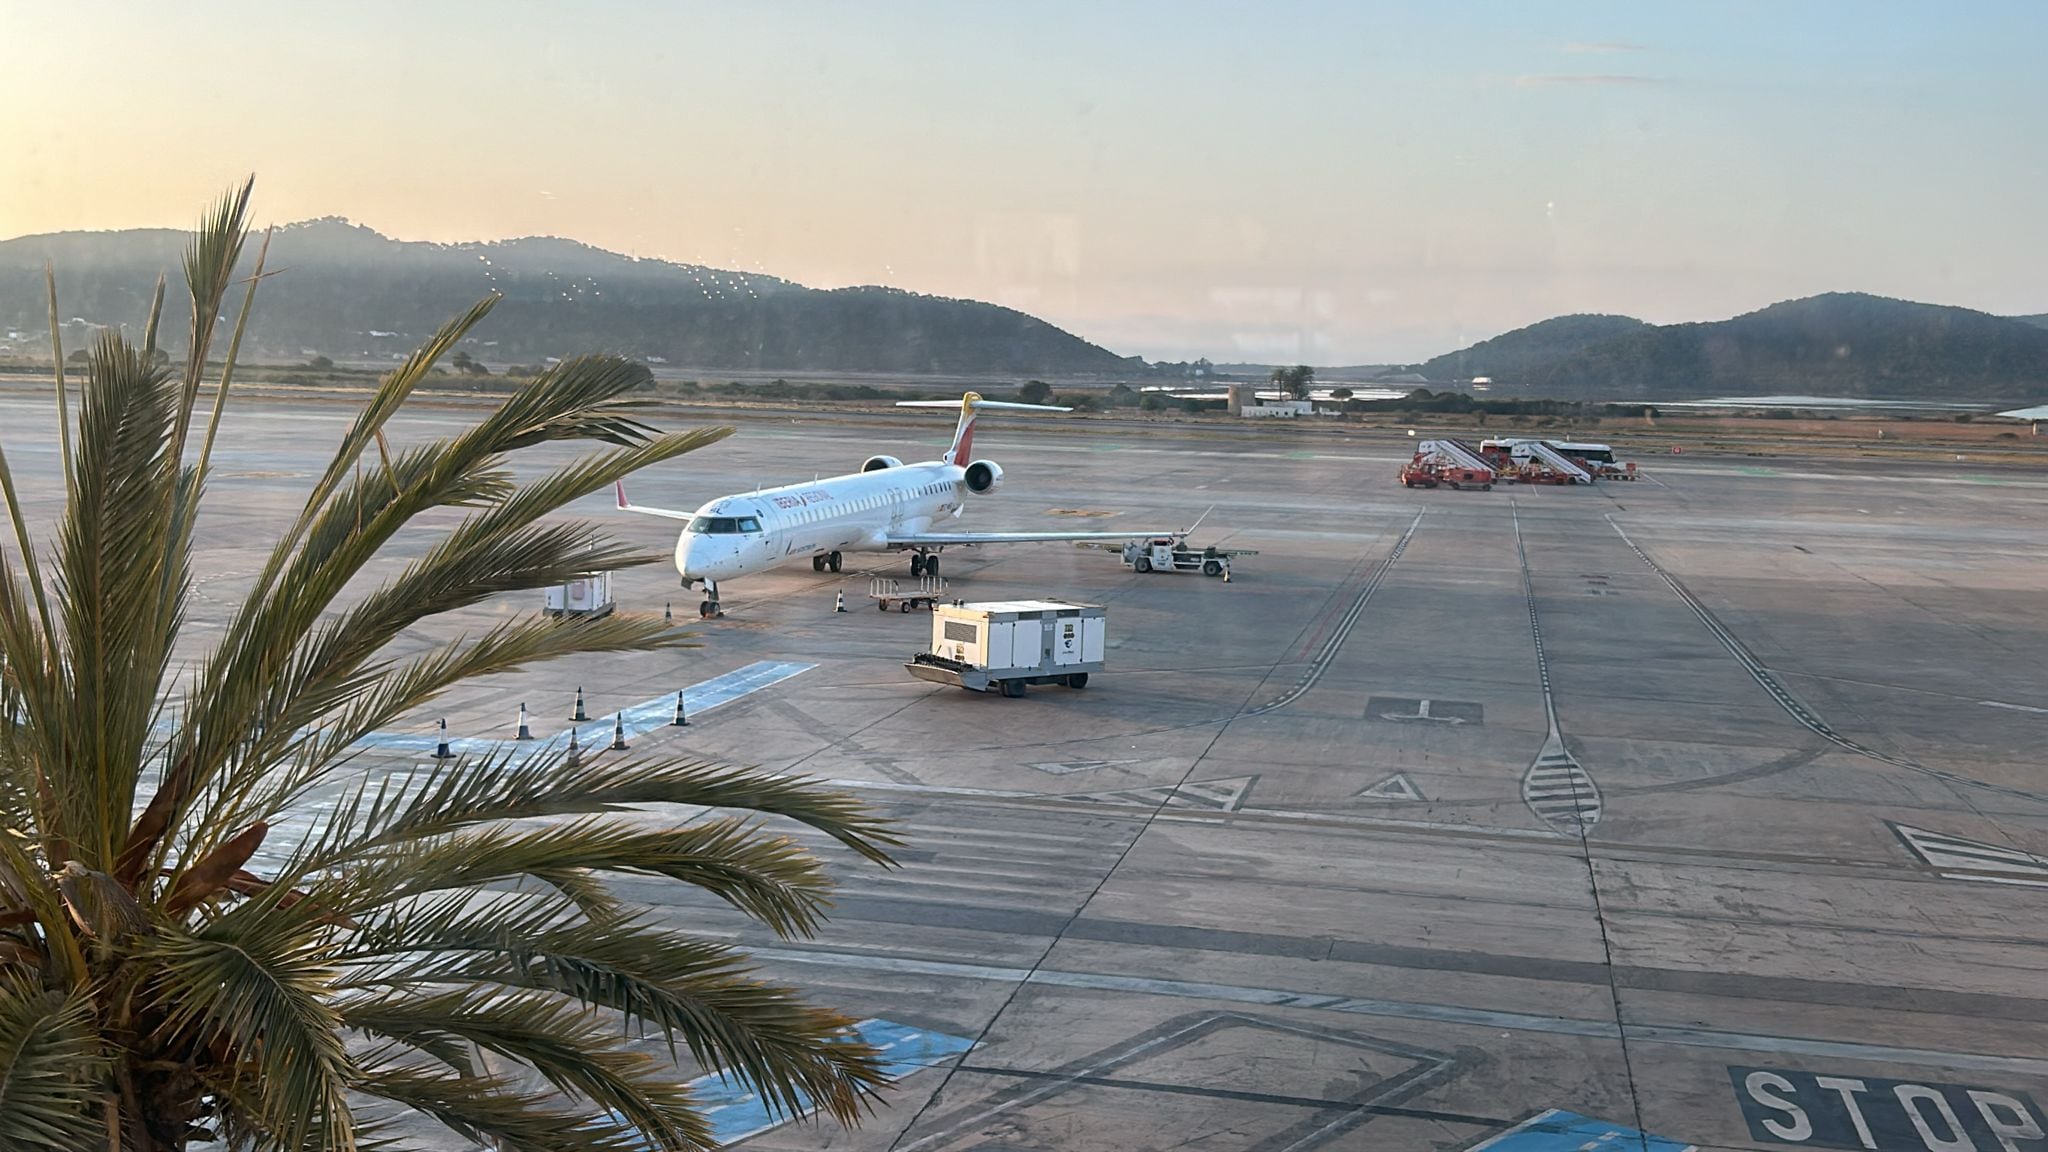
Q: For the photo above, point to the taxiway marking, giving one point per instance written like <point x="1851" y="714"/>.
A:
<point x="638" y="719"/>
<point x="1790" y="703"/>
<point x="1958" y="859"/>
<point x="1412" y="1010"/>
<point x="1557" y="1130"/>
<point x="1315" y="669"/>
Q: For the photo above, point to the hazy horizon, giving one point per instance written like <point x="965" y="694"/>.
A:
<point x="1334" y="184"/>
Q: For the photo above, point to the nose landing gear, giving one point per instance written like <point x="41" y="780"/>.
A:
<point x="709" y="609"/>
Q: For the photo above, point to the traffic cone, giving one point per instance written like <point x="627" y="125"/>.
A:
<point x="1226" y="574"/>
<point x="525" y="733"/>
<point x="441" y="751"/>
<point x="579" y="714"/>
<point x="618" y="732"/>
<point x="839" y="601"/>
<point x="668" y="615"/>
<point x="574" y="749"/>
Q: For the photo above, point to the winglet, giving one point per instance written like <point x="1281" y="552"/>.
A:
<point x="619" y="487"/>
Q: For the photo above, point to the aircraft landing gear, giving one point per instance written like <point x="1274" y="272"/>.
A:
<point x="916" y="565"/>
<point x="832" y="561"/>
<point x="709" y="609"/>
<point x="817" y="563"/>
<point x="931" y="565"/>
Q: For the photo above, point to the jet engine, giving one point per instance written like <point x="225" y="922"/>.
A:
<point x="984" y="477"/>
<point x="877" y="463"/>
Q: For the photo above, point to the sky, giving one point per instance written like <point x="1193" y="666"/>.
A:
<point x="1334" y="183"/>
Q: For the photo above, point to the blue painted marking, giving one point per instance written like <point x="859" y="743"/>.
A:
<point x="640" y="718"/>
<point x="1560" y="1131"/>
<point x="736" y="1113"/>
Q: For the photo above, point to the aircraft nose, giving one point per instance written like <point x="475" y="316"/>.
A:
<point x="701" y="558"/>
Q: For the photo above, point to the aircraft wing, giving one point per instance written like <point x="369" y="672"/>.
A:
<point x="940" y="539"/>
<point x="619" y="488"/>
<point x="945" y="539"/>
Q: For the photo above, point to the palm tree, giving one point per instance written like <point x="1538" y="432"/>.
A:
<point x="441" y="942"/>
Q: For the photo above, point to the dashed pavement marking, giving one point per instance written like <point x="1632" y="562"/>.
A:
<point x="1225" y="795"/>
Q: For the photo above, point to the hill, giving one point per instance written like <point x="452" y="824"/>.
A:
<point x="2038" y="320"/>
<point x="1839" y="344"/>
<point x="350" y="293"/>
<point x="1512" y="355"/>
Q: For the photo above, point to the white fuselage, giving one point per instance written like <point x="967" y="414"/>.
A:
<point x="740" y="535"/>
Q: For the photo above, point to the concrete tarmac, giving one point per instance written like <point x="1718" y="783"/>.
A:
<point x="1703" y="810"/>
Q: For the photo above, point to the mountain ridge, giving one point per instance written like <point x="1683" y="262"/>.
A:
<point x="350" y="292"/>
<point x="1846" y="344"/>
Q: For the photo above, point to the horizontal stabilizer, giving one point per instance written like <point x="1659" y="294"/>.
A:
<point x="978" y="403"/>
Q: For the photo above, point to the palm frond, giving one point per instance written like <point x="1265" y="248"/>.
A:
<point x="772" y="880"/>
<point x="114" y="547"/>
<point x="523" y="785"/>
<point x="50" y="1062"/>
<point x="492" y="1110"/>
<point x="694" y="992"/>
<point x="160" y="979"/>
<point x="561" y="1041"/>
<point x="256" y="984"/>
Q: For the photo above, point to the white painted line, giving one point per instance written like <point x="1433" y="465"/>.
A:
<point x="1388" y="823"/>
<point x="1995" y="879"/>
<point x="2014" y="707"/>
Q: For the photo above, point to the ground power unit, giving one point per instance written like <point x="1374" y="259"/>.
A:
<point x="1010" y="644"/>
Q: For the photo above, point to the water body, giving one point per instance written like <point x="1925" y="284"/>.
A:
<point x="1835" y="403"/>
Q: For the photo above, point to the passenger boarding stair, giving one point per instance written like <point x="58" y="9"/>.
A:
<point x="1455" y="452"/>
<point x="1558" y="462"/>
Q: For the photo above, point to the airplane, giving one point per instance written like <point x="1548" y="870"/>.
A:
<point x="887" y="506"/>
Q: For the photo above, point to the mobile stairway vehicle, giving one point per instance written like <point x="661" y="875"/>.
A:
<point x="1448" y="464"/>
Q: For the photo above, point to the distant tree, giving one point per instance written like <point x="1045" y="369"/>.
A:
<point x="1295" y="381"/>
<point x="1152" y="402"/>
<point x="1079" y="402"/>
<point x="1121" y="396"/>
<point x="1034" y="392"/>
<point x="78" y="357"/>
<point x="1340" y="394"/>
<point x="320" y="363"/>
<point x="466" y="364"/>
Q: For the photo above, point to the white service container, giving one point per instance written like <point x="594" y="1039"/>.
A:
<point x="1010" y="643"/>
<point x="584" y="596"/>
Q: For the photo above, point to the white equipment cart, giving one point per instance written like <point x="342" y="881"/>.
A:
<point x="1009" y="644"/>
<point x="584" y="596"/>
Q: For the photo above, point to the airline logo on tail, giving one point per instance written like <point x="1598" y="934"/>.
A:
<point x="963" y="436"/>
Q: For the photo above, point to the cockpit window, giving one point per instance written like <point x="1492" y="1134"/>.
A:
<point x="724" y="525"/>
